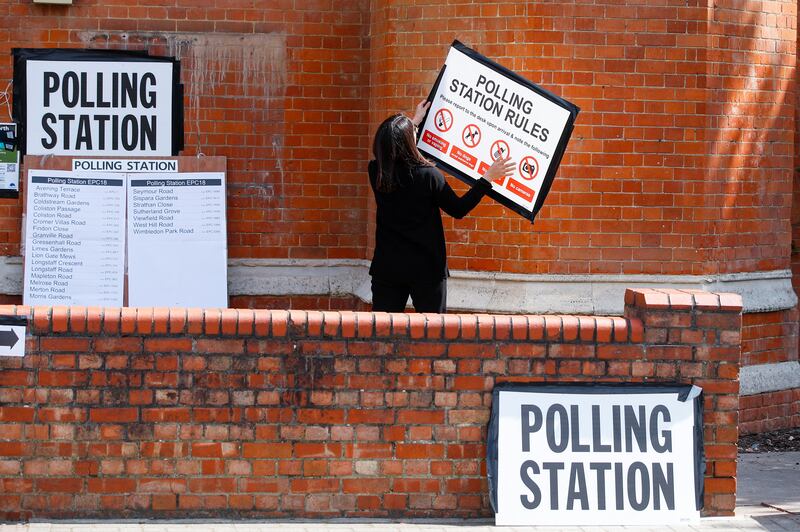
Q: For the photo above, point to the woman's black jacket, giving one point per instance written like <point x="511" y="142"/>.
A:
<point x="409" y="238"/>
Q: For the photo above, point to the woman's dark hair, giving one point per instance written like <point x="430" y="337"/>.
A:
<point x="395" y="150"/>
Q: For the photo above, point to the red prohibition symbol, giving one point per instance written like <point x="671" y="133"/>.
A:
<point x="471" y="135"/>
<point x="443" y="120"/>
<point x="528" y="167"/>
<point x="499" y="150"/>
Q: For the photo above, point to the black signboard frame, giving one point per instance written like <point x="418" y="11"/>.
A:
<point x="588" y="388"/>
<point x="19" y="87"/>
<point x="557" y="155"/>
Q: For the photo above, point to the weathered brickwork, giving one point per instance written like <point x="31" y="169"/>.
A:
<point x="769" y="338"/>
<point x="176" y="412"/>
<point x="682" y="160"/>
<point x="680" y="163"/>
<point x="765" y="412"/>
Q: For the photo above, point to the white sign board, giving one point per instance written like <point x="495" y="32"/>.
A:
<point x="574" y="457"/>
<point x="125" y="165"/>
<point x="480" y="112"/>
<point x="12" y="336"/>
<point x="74" y="239"/>
<point x="98" y="108"/>
<point x="177" y="240"/>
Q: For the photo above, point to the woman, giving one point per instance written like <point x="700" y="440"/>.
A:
<point x="410" y="255"/>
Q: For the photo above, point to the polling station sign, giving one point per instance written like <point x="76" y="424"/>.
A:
<point x="480" y="112"/>
<point x="97" y="102"/>
<point x="575" y="455"/>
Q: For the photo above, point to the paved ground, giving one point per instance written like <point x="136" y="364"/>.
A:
<point x="769" y="499"/>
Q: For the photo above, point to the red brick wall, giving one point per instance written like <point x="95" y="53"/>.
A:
<point x="751" y="57"/>
<point x="769" y="411"/>
<point x="768" y="338"/>
<point x="299" y="302"/>
<point x="795" y="216"/>
<point x="280" y="89"/>
<point x="785" y="411"/>
<point x="176" y="412"/>
<point x="681" y="160"/>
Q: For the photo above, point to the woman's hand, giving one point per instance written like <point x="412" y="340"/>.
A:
<point x="419" y="113"/>
<point x="499" y="169"/>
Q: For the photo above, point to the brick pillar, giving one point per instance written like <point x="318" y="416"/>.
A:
<point x="701" y="331"/>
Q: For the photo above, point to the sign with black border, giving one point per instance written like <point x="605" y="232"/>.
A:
<point x="578" y="454"/>
<point x="481" y="111"/>
<point x="13" y="330"/>
<point x="97" y="102"/>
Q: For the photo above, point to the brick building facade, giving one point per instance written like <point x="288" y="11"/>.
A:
<point x="679" y="173"/>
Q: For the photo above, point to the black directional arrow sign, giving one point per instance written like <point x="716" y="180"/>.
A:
<point x="12" y="335"/>
<point x="8" y="338"/>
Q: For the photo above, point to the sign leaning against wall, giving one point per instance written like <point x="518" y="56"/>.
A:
<point x="589" y="454"/>
<point x="97" y="102"/>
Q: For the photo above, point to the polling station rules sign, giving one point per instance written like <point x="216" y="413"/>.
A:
<point x="578" y="455"/>
<point x="480" y="112"/>
<point x="97" y="102"/>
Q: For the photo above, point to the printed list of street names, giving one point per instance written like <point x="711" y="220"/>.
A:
<point x="177" y="240"/>
<point x="75" y="239"/>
